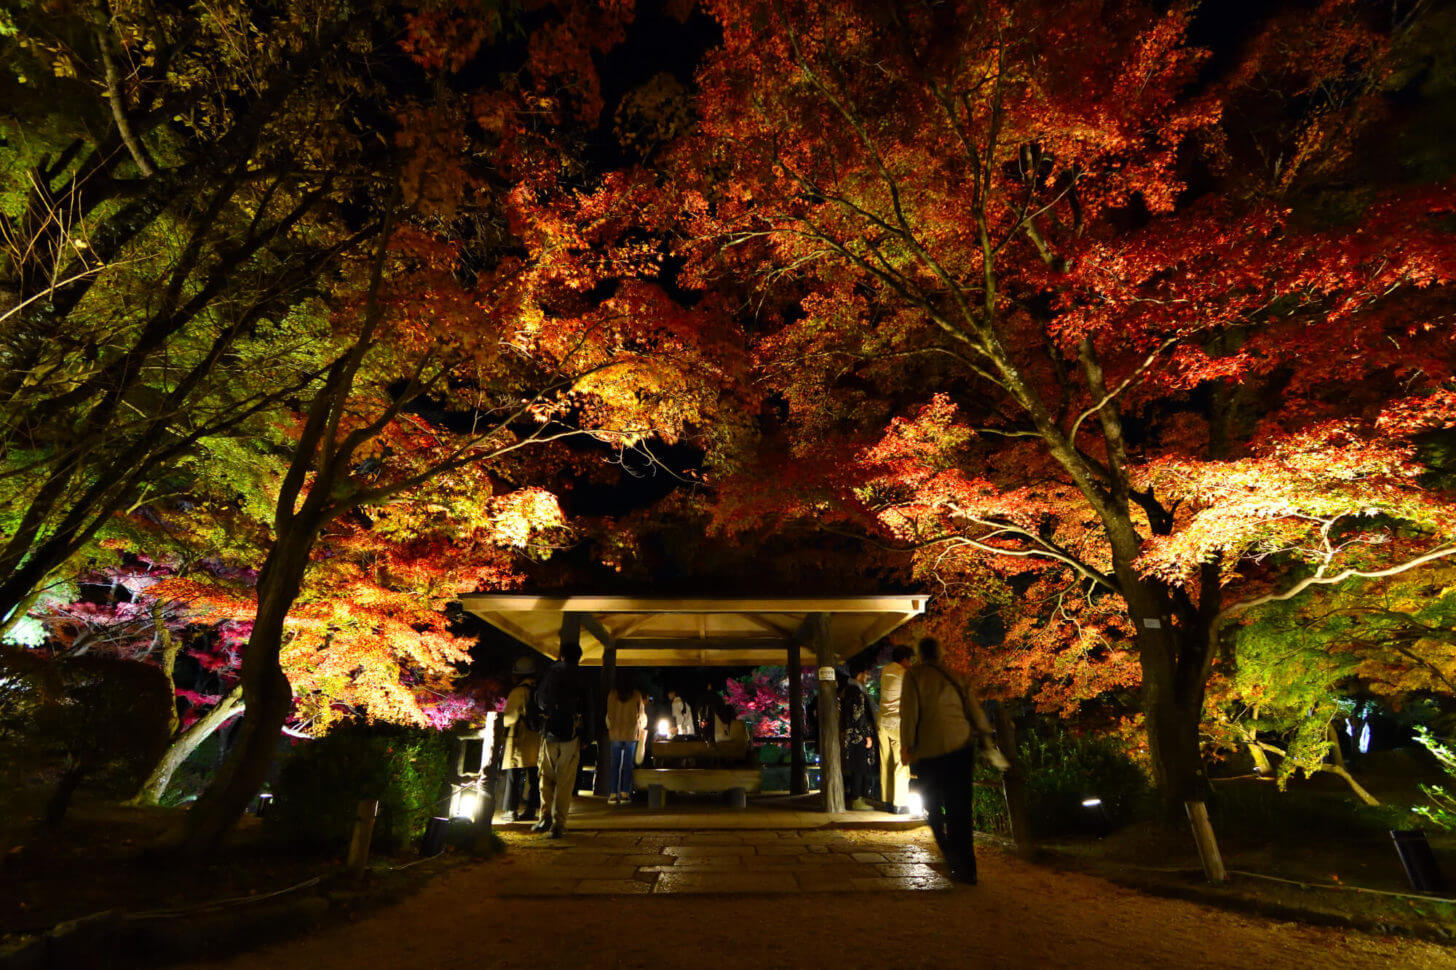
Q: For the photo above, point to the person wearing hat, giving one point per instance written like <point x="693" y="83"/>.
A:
<point x="523" y="745"/>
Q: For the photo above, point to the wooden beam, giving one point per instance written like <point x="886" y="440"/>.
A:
<point x="798" y="777"/>
<point x="635" y="623"/>
<point x="595" y="627"/>
<point x="831" y="768"/>
<point x="570" y="630"/>
<point x="697" y="657"/>
<point x="781" y="629"/>
<point x="604" y="738"/>
<point x="695" y="643"/>
<point x="517" y="602"/>
<point x="883" y="627"/>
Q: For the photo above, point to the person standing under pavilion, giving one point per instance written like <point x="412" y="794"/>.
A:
<point x="857" y="737"/>
<point x="894" y="772"/>
<point x="523" y="745"/>
<point x="562" y="698"/>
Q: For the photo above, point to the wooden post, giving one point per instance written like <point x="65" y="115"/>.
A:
<point x="798" y="778"/>
<point x="1208" y="852"/>
<point x="358" y="858"/>
<point x="604" y="738"/>
<point x="831" y="771"/>
<point x="1013" y="784"/>
<point x="491" y="774"/>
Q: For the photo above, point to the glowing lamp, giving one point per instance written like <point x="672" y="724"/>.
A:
<point x="915" y="803"/>
<point x="1092" y="802"/>
<point x="664" y="728"/>
<point x="468" y="805"/>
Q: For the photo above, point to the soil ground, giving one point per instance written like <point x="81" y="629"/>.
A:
<point x="1020" y="915"/>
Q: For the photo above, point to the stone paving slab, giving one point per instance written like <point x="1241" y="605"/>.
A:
<point x="739" y="863"/>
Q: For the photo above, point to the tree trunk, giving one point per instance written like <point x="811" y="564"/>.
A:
<point x="182" y="746"/>
<point x="18" y="613"/>
<point x="1262" y="767"/>
<point x="1173" y="742"/>
<point x="60" y="800"/>
<point x="267" y="696"/>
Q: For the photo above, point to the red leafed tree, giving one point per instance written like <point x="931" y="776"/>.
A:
<point x="1071" y="304"/>
<point x="494" y="303"/>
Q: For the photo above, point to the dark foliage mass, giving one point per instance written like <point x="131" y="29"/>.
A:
<point x="322" y="783"/>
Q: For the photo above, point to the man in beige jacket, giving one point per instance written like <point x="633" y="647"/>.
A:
<point x="941" y="727"/>
<point x="523" y="746"/>
<point x="894" y="771"/>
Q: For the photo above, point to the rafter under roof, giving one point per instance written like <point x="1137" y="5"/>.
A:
<point x="676" y="631"/>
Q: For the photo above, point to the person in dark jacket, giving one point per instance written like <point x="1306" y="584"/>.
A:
<point x="562" y="700"/>
<point x="857" y="733"/>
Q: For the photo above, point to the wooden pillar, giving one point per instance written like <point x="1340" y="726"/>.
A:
<point x="831" y="769"/>
<point x="604" y="739"/>
<point x="798" y="777"/>
<point x="1013" y="784"/>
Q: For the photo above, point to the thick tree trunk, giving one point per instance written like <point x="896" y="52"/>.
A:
<point x="183" y="745"/>
<point x="266" y="694"/>
<point x="1173" y="742"/>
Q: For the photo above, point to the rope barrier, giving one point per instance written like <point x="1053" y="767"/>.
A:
<point x="222" y="903"/>
<point x="1302" y="883"/>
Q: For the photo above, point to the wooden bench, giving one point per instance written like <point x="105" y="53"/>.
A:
<point x="737" y="782"/>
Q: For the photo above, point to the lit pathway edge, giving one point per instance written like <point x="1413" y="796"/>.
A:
<point x="743" y="862"/>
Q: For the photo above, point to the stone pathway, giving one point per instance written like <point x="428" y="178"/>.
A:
<point x="746" y="862"/>
<point x="1021" y="916"/>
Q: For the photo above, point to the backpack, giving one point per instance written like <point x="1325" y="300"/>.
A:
<point x="532" y="717"/>
<point x="560" y="706"/>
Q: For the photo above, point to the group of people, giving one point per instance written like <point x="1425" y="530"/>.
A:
<point x="927" y="718"/>
<point x="544" y="725"/>
<point x="547" y="722"/>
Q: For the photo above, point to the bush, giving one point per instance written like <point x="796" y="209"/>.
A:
<point x="989" y="799"/>
<point x="322" y="782"/>
<point x="95" y="720"/>
<point x="1257" y="811"/>
<point x="1063" y="769"/>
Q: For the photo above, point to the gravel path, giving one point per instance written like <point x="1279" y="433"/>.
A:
<point x="1020" y="916"/>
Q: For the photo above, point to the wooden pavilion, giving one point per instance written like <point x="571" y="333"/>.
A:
<point x="675" y="631"/>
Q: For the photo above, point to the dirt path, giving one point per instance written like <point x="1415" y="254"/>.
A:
<point x="1021" y="916"/>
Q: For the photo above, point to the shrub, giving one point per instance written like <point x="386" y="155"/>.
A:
<point x="91" y="719"/>
<point x="1440" y="807"/>
<point x="1062" y="770"/>
<point x="1258" y="811"/>
<point x="989" y="800"/>
<point x="322" y="782"/>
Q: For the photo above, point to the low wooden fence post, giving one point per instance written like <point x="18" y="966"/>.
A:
<point x="358" y="859"/>
<point x="1013" y="785"/>
<point x="1208" y="852"/>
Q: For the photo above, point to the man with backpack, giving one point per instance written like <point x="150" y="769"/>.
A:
<point x="941" y="728"/>
<point x="562" y="699"/>
<point x="522" y="721"/>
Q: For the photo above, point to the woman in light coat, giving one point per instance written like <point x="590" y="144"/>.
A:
<point x="626" y="725"/>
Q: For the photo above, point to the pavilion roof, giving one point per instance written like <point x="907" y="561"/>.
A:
<point x="697" y="631"/>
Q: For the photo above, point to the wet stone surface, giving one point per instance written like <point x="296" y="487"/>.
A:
<point x="738" y="863"/>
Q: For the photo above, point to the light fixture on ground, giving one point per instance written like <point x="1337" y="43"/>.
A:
<point x="664" y="728"/>
<point x="916" y="804"/>
<point x="1099" y="821"/>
